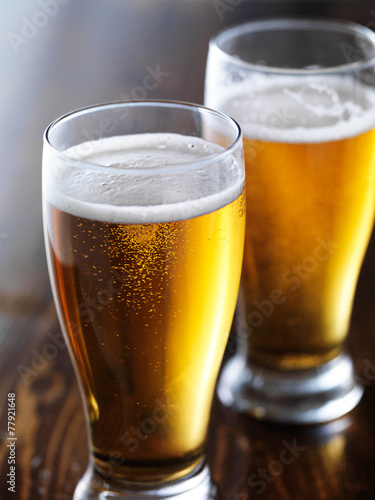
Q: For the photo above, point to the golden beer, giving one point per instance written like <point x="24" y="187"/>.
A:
<point x="310" y="210"/>
<point x="146" y="298"/>
<point x="303" y="92"/>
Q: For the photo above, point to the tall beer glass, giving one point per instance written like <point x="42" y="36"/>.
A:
<point x="303" y="92"/>
<point x="144" y="217"/>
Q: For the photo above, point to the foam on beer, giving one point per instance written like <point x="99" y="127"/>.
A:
<point x="287" y="109"/>
<point x="99" y="192"/>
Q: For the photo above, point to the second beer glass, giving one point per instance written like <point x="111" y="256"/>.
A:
<point x="303" y="92"/>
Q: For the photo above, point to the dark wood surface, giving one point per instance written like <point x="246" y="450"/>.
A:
<point x="92" y="51"/>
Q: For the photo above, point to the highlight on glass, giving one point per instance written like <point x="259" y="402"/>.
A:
<point x="303" y="92"/>
<point x="144" y="217"/>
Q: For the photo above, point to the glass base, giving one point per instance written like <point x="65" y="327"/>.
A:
<point x="198" y="485"/>
<point x="294" y="397"/>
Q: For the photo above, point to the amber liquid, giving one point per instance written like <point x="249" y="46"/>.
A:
<point x="310" y="210"/>
<point x="147" y="310"/>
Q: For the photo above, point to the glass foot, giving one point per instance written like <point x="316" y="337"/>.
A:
<point x="93" y="486"/>
<point x="296" y="397"/>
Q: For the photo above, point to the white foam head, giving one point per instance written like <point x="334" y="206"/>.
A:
<point x="296" y="109"/>
<point x="115" y="186"/>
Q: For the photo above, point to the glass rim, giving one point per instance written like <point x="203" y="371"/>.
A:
<point x="292" y="23"/>
<point x="155" y="170"/>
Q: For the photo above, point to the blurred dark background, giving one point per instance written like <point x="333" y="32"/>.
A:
<point x="59" y="55"/>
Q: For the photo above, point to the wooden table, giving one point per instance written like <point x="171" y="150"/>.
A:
<point x="76" y="53"/>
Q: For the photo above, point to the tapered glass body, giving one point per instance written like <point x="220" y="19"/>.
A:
<point x="303" y="92"/>
<point x="144" y="227"/>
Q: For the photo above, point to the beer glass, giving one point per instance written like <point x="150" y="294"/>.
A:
<point x="144" y="217"/>
<point x="303" y="92"/>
